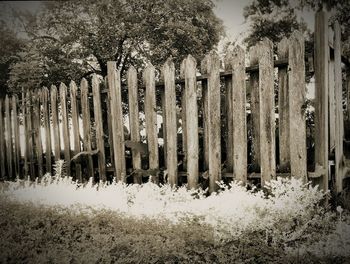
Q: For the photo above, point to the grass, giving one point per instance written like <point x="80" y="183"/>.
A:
<point x="58" y="221"/>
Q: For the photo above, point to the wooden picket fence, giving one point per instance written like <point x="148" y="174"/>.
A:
<point x="206" y="120"/>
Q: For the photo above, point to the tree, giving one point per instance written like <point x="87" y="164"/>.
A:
<point x="72" y="39"/>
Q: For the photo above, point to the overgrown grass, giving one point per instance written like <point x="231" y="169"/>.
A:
<point x="57" y="220"/>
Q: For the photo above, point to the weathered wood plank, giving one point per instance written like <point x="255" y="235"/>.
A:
<point x="85" y="110"/>
<point x="321" y="94"/>
<point x="15" y="125"/>
<point x="170" y="127"/>
<point x="75" y="126"/>
<point x="238" y="97"/>
<point x="214" y="129"/>
<point x="331" y="103"/>
<point x="99" y="128"/>
<point x="188" y="72"/>
<point x="255" y="108"/>
<point x="339" y="122"/>
<point x="46" y="112"/>
<point x="204" y="84"/>
<point x="66" y="135"/>
<point x="8" y="138"/>
<point x="37" y="131"/>
<point x="134" y="120"/>
<point x="184" y="127"/>
<point x="55" y="123"/>
<point x="267" y="111"/>
<point x="165" y="144"/>
<point x="297" y="94"/>
<point x="283" y="108"/>
<point x="2" y="141"/>
<point x="109" y="123"/>
<point x="229" y="113"/>
<point x="114" y="85"/>
<point x="151" y="118"/>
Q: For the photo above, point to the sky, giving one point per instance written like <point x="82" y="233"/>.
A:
<point x="230" y="11"/>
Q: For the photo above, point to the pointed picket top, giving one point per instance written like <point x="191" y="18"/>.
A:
<point x="45" y="93"/>
<point x="254" y="55"/>
<point x="297" y="38"/>
<point x="282" y="48"/>
<point x="95" y="79"/>
<point x="188" y="63"/>
<point x="53" y="89"/>
<point x="131" y="71"/>
<point x="148" y="72"/>
<point x="204" y="65"/>
<point x="211" y="60"/>
<point x="72" y="86"/>
<point x="228" y="58"/>
<point x="168" y="66"/>
<point x="62" y="89"/>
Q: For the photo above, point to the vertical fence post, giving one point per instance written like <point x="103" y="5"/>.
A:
<point x="267" y="112"/>
<point x="321" y="94"/>
<point x="66" y="136"/>
<point x="134" y="120"/>
<point x="151" y="118"/>
<point x="331" y="95"/>
<point x="109" y="121"/>
<point x="8" y="132"/>
<point x="297" y="93"/>
<point x="99" y="128"/>
<point x="283" y="108"/>
<point x="255" y="108"/>
<point x="46" y="112"/>
<point x="15" y="125"/>
<point x="2" y="142"/>
<point x="188" y="72"/>
<point x="238" y="98"/>
<point x="29" y="135"/>
<point x="117" y="120"/>
<point x="170" y="127"/>
<point x="85" y="110"/>
<point x="75" y="126"/>
<point x="37" y="131"/>
<point x="339" y="122"/>
<point x="214" y="129"/>
<point x="55" y="123"/>
<point x="184" y="127"/>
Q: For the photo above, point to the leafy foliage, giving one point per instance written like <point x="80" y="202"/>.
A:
<point x="72" y="39"/>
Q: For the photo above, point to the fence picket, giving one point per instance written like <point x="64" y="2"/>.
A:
<point x="2" y="141"/>
<point x="267" y="111"/>
<point x="205" y="117"/>
<point x="99" y="128"/>
<point x="214" y="131"/>
<point x="114" y="86"/>
<point x="8" y="138"/>
<point x="283" y="108"/>
<point x="37" y="131"/>
<point x="321" y="96"/>
<point x="85" y="110"/>
<point x="297" y="94"/>
<point x="134" y="121"/>
<point x="339" y="121"/>
<point x="188" y="72"/>
<point x="55" y="123"/>
<point x="237" y="62"/>
<point x="46" y="113"/>
<point x="184" y="127"/>
<point x="151" y="119"/>
<point x="75" y="126"/>
<point x="16" y="149"/>
<point x="66" y="140"/>
<point x="170" y="127"/>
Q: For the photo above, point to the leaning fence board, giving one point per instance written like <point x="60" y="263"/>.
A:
<point x="171" y="123"/>
<point x="321" y="95"/>
<point x="55" y="123"/>
<point x="297" y="96"/>
<point x="66" y="136"/>
<point x="339" y="122"/>
<point x="8" y="138"/>
<point x="188" y="71"/>
<point x="267" y="111"/>
<point x="151" y="118"/>
<point x="16" y="145"/>
<point x="29" y="135"/>
<point x="75" y="126"/>
<point x="99" y="128"/>
<point x="37" y="131"/>
<point x="134" y="120"/>
<point x="204" y="84"/>
<point x="283" y="108"/>
<point x="238" y="98"/>
<point x="114" y="86"/>
<point x="214" y="131"/>
<point x="255" y="108"/>
<point x="46" y="119"/>
<point x="2" y="142"/>
<point x="85" y="111"/>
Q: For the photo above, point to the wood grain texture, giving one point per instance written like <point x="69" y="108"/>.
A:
<point x="2" y="141"/>
<point x="46" y="118"/>
<point x="55" y="123"/>
<point x="8" y="139"/>
<point x="38" y="150"/>
<point x="16" y="144"/>
<point x="65" y="127"/>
